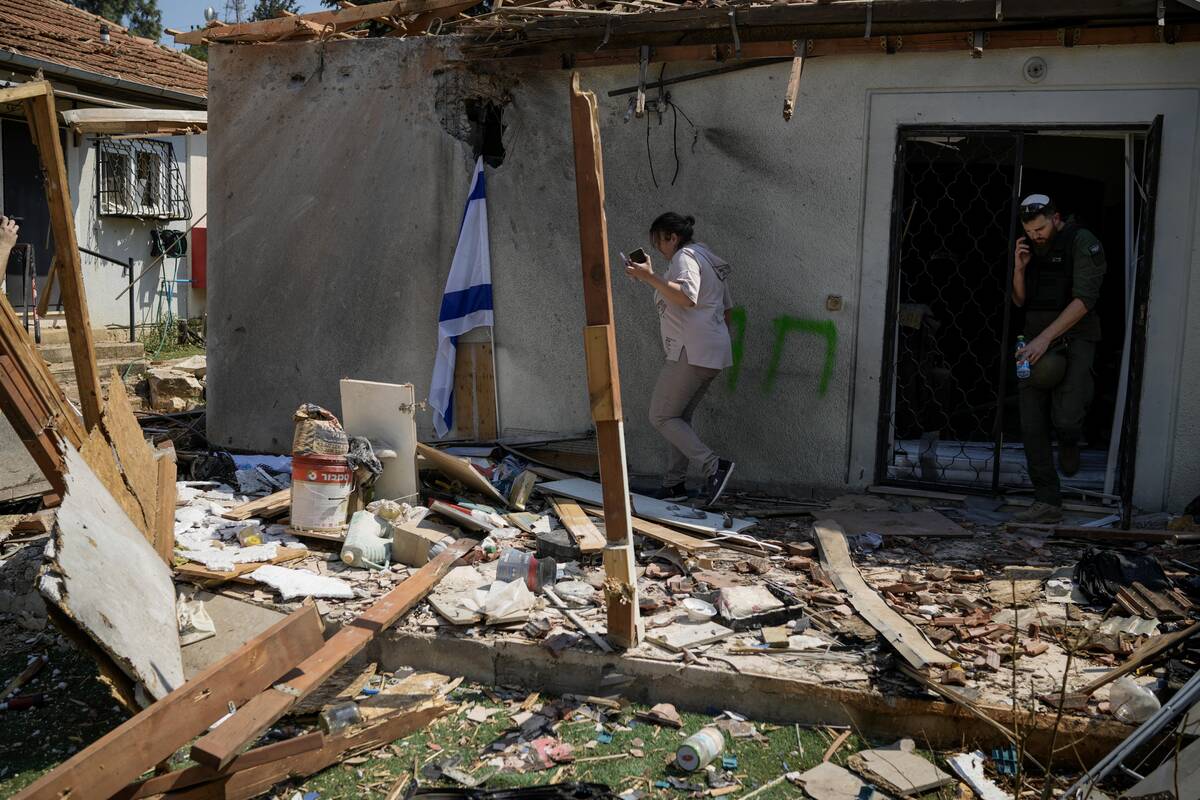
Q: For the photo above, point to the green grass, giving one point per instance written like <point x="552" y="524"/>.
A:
<point x="36" y="739"/>
<point x="32" y="742"/>
<point x="758" y="762"/>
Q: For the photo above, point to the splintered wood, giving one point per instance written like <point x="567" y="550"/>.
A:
<point x="897" y="631"/>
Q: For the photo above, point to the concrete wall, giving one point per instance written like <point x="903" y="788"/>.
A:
<point x="336" y="192"/>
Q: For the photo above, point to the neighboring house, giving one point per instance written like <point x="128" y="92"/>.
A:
<point x="870" y="236"/>
<point x="125" y="189"/>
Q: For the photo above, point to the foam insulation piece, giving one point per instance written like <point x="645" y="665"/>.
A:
<point x="103" y="575"/>
<point x="293" y="583"/>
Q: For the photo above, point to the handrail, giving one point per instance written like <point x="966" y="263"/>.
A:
<point x="127" y="265"/>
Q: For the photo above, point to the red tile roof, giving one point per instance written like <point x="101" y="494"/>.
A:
<point x="56" y="31"/>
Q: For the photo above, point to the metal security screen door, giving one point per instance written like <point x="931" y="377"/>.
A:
<point x="953" y="221"/>
<point x="948" y="413"/>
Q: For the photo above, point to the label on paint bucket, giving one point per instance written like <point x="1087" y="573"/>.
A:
<point x="321" y="489"/>
<point x="699" y="749"/>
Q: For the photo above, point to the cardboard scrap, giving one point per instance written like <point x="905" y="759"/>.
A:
<point x="828" y="781"/>
<point x="662" y="714"/>
<point x="682" y="635"/>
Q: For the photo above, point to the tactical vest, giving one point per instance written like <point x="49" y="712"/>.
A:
<point x="1051" y="276"/>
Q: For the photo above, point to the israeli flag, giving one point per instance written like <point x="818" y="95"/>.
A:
<point x="466" y="302"/>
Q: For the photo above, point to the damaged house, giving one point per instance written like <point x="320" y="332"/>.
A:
<point x="457" y="583"/>
<point x="870" y="235"/>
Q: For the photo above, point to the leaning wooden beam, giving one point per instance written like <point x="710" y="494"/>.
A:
<point x="604" y="382"/>
<point x="793" y="85"/>
<point x="24" y="91"/>
<point x="33" y="401"/>
<point x="43" y="123"/>
<point x="120" y="756"/>
<point x="253" y="781"/>
<point x="904" y="638"/>
<point x="340" y="19"/>
<point x="218" y="748"/>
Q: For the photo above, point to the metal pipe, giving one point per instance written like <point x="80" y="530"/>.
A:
<point x="109" y="259"/>
<point x="762" y="62"/>
<point x="132" y="312"/>
<point x="53" y="68"/>
<point x="1184" y="699"/>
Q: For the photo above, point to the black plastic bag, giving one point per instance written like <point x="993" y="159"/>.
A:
<point x="1102" y="573"/>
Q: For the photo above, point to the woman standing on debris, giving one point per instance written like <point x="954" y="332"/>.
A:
<point x="693" y="303"/>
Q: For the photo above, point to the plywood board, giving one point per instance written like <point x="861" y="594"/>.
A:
<point x="385" y="414"/>
<point x="673" y="514"/>
<point x="108" y="579"/>
<point x="682" y="635"/>
<point x="136" y="457"/>
<point x="460" y="469"/>
<point x="98" y="454"/>
<point x="901" y="634"/>
<point x="897" y="523"/>
<point x="586" y="534"/>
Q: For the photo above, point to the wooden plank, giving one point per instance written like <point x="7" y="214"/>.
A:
<point x="30" y="423"/>
<point x="208" y="578"/>
<point x="24" y="91"/>
<point x="586" y="534"/>
<point x="217" y="748"/>
<point x="896" y="523"/>
<point x="466" y="423"/>
<point x="339" y="19"/>
<point x="254" y="781"/>
<point x="267" y="507"/>
<point x="190" y="776"/>
<point x="901" y="491"/>
<point x="120" y="756"/>
<point x="793" y="85"/>
<point x="663" y="534"/>
<point x="1150" y="649"/>
<point x="45" y="291"/>
<point x="598" y="342"/>
<point x="676" y="515"/>
<point x="460" y="469"/>
<point x="43" y="118"/>
<point x="165" y="497"/>
<point x="1106" y="534"/>
<point x="485" y="394"/>
<point x="620" y="586"/>
<point x="134" y="455"/>
<point x="897" y="631"/>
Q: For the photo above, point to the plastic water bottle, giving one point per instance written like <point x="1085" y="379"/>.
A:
<point x="1023" y="364"/>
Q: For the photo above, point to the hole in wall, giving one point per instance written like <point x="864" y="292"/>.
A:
<point x="487" y="129"/>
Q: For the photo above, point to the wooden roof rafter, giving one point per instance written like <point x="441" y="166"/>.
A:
<point x="326" y="24"/>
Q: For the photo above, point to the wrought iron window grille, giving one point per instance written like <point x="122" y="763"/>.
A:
<point x="139" y="178"/>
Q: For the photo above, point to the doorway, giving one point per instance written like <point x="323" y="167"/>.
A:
<point x="24" y="197"/>
<point x="949" y="416"/>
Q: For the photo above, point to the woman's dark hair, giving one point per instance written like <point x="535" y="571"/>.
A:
<point x="677" y="224"/>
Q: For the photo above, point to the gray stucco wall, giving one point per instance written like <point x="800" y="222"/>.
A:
<point x="335" y="194"/>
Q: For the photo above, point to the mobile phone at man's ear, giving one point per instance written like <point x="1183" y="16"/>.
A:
<point x="638" y="256"/>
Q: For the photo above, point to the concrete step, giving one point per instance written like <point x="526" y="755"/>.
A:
<point x="58" y="334"/>
<point x="64" y="371"/>
<point x="61" y="353"/>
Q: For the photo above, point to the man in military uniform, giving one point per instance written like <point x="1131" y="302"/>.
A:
<point x="1057" y="272"/>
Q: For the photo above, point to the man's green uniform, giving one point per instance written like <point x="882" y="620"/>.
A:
<point x="1054" y="398"/>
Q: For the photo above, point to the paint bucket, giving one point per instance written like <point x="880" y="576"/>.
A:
<point x="321" y="488"/>
<point x="699" y="749"/>
<point x="518" y="565"/>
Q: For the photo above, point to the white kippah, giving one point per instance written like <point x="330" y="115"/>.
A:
<point x="1036" y="199"/>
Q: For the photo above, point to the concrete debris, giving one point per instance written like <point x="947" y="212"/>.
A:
<point x="172" y="390"/>
<point x="900" y="773"/>
<point x="828" y="781"/>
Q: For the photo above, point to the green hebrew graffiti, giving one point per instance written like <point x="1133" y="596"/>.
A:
<point x="785" y="325"/>
<point x="737" y="325"/>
